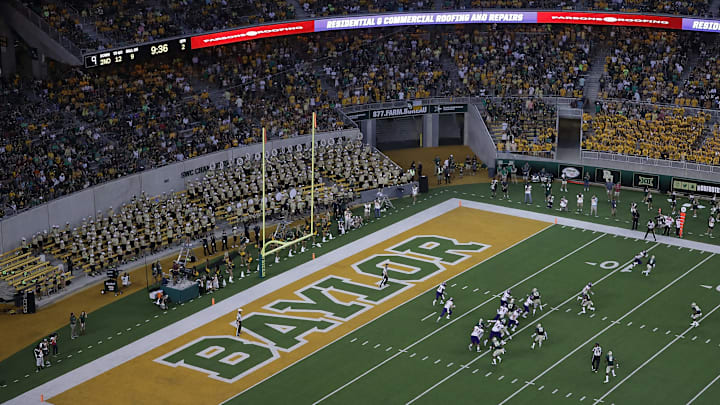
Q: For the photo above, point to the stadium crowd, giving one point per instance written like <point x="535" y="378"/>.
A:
<point x="648" y="130"/>
<point x="92" y="126"/>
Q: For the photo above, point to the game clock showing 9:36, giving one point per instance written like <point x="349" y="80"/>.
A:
<point x="135" y="53"/>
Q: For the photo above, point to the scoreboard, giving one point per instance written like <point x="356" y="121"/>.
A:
<point x="136" y="53"/>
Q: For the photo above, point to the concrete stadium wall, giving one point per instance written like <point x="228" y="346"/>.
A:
<point x="82" y="204"/>
<point x="478" y="138"/>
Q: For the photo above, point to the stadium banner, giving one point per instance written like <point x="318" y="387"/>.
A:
<point x="407" y="111"/>
<point x="603" y="175"/>
<point x="611" y="19"/>
<point x="358" y="116"/>
<point x="251" y="33"/>
<point x="571" y="172"/>
<point x="642" y="180"/>
<point x="694" y="24"/>
<point x="695" y="186"/>
<point x="401" y="19"/>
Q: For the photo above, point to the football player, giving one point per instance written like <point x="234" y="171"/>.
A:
<point x="586" y="303"/>
<point x="638" y="258"/>
<point x="539" y="336"/>
<point x="496" y="331"/>
<point x="513" y="317"/>
<point x="537" y="303"/>
<point x="501" y="312"/>
<point x="475" y="336"/>
<point x="610" y="368"/>
<point x="526" y="306"/>
<point x="498" y="350"/>
<point x="505" y="298"/>
<point x="447" y="309"/>
<point x="650" y="266"/>
<point x="695" y="315"/>
<point x="440" y="293"/>
<point x="585" y="291"/>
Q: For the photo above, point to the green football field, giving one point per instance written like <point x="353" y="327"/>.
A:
<point x="407" y="357"/>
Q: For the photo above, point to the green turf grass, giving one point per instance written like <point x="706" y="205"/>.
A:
<point x="136" y="308"/>
<point x="423" y="363"/>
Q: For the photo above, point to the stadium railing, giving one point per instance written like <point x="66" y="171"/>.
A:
<point x="640" y="160"/>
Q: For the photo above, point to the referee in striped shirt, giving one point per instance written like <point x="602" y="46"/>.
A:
<point x="239" y="322"/>
<point x="596" y="356"/>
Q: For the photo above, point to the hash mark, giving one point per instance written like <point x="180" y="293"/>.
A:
<point x="488" y="374"/>
<point x="694" y="338"/>
<point x="388" y="349"/>
<point x="501" y="377"/>
<point x="376" y="346"/>
<point x="604" y="318"/>
<point x="464" y="287"/>
<point x="437" y="361"/>
<point x="476" y="370"/>
<point x="592" y="315"/>
<point x="413" y="355"/>
<point x="555" y="390"/>
<point x="450" y="364"/>
<point x="668" y="332"/>
<point x="475" y="290"/>
<point x="655" y="330"/>
<point x="541" y="387"/>
<point x="487" y="292"/>
<point x="642" y="326"/>
<point x="365" y="342"/>
<point x="707" y="341"/>
<point x="425" y="358"/>
<point x="354" y="339"/>
<point x="629" y="323"/>
<point x="568" y="395"/>
<point x="454" y="284"/>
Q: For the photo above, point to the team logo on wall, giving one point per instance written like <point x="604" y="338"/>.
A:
<point x="570" y="172"/>
<point x="646" y="180"/>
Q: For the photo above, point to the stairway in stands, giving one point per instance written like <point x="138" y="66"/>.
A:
<point x="597" y="68"/>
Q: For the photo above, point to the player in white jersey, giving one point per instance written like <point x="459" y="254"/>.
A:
<point x="695" y="315"/>
<point x="501" y="312"/>
<point x="586" y="303"/>
<point x="586" y="290"/>
<point x="526" y="306"/>
<point x="513" y="317"/>
<point x="610" y="368"/>
<point x="447" y="309"/>
<point x="440" y="293"/>
<point x="537" y="303"/>
<point x="638" y="258"/>
<point x="539" y="336"/>
<point x="498" y="350"/>
<point x="506" y="296"/>
<point x="475" y="336"/>
<point x="650" y="266"/>
<point x="496" y="331"/>
<point x="596" y="356"/>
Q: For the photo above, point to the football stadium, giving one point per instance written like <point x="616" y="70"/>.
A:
<point x="386" y="201"/>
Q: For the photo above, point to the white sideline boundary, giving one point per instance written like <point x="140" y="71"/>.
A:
<point x="149" y="342"/>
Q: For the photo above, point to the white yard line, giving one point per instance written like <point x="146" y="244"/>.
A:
<point x="645" y="363"/>
<point x="370" y="370"/>
<point x="584" y="344"/>
<point x="572" y="297"/>
<point x="703" y="390"/>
